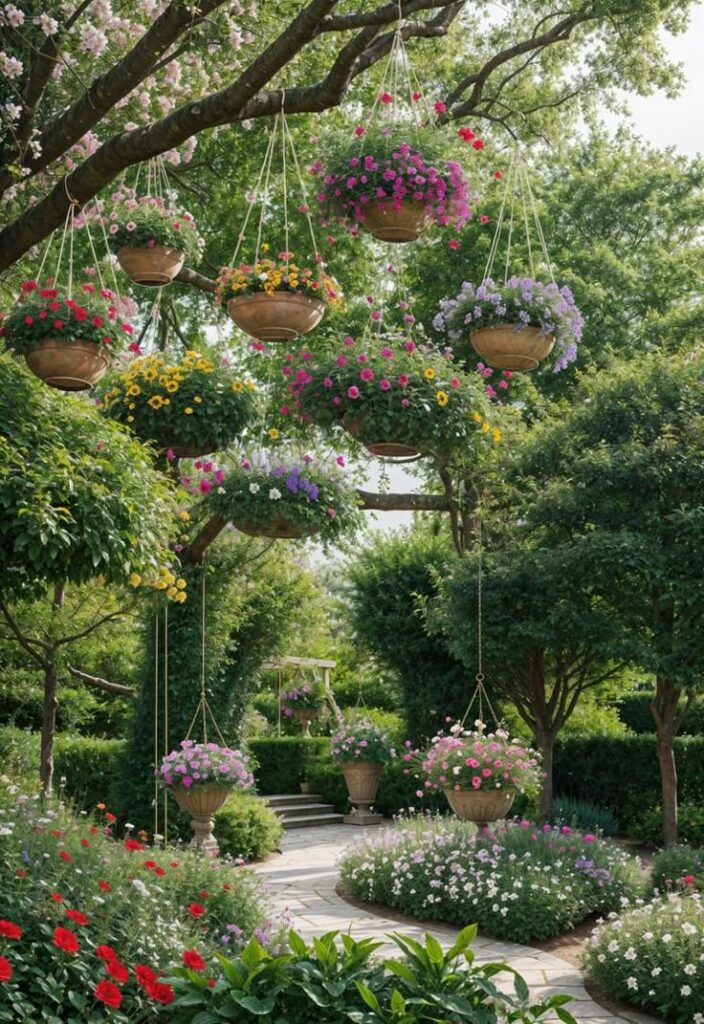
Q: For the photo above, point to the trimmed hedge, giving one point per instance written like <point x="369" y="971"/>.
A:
<point x="622" y="772"/>
<point x="634" y="711"/>
<point x="281" y="761"/>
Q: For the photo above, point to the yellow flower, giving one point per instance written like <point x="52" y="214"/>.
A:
<point x="171" y="593"/>
<point x="184" y="515"/>
<point x="429" y="373"/>
<point x="485" y="427"/>
<point x="131" y="406"/>
<point x="273" y="433"/>
<point x="181" y="584"/>
<point x="150" y="374"/>
<point x="180" y="596"/>
<point x="477" y="417"/>
<point x="130" y="419"/>
<point x="442" y="397"/>
<point x="237" y="385"/>
<point x="172" y="386"/>
<point x="160" y="585"/>
<point x="167" y="401"/>
<point x="156" y="402"/>
<point x="251" y="386"/>
<point x="496" y="434"/>
<point x="197" y="399"/>
<point x="135" y="579"/>
<point x="188" y="411"/>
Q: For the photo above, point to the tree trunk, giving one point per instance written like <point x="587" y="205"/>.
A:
<point x="51" y="703"/>
<point x="664" y="709"/>
<point x="546" y="745"/>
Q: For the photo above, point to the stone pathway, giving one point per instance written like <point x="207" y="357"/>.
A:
<point x="303" y="880"/>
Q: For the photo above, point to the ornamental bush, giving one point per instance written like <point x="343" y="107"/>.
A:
<point x="95" y="910"/>
<point x="306" y="697"/>
<point x="189" y="402"/>
<point x="690" y="825"/>
<point x="146" y="221"/>
<point x="517" y="881"/>
<point x="653" y="957"/>
<point x="92" y="315"/>
<point x="522" y="302"/>
<point x="246" y="828"/>
<point x="387" y="389"/>
<point x="678" y="867"/>
<point x="280" y="761"/>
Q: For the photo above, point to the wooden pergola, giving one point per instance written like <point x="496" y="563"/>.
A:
<point x="300" y="664"/>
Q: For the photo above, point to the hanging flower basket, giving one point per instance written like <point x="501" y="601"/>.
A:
<point x="513" y="326"/>
<point x="303" y="703"/>
<point x="276" y="301"/>
<point x="191" y="406"/>
<point x="151" y="239"/>
<point x="480" y="806"/>
<point x="400" y="222"/>
<point x="398" y="401"/>
<point x="66" y="342"/>
<point x="201" y="776"/>
<point x="289" y="498"/>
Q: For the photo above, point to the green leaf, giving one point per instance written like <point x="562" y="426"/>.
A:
<point x="465" y="938"/>
<point x="368" y="996"/>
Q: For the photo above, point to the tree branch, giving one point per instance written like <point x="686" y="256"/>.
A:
<point x="100" y="683"/>
<point x="192" y="277"/>
<point x="90" y="629"/>
<point x="24" y="641"/>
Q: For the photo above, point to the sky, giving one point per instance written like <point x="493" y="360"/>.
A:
<point x="664" y="122"/>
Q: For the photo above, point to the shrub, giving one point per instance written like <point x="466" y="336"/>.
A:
<point x="672" y="866"/>
<point x="336" y="979"/>
<point x="634" y="711"/>
<point x="518" y="882"/>
<point x="653" y="957"/>
<point x="583" y="815"/>
<point x="246" y="827"/>
<point x="281" y="762"/>
<point x="690" y="825"/>
<point x="59" y="871"/>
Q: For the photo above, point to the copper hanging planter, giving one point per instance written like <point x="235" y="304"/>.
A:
<point x="283" y="316"/>
<point x="68" y="366"/>
<point x="516" y="347"/>
<point x="278" y="529"/>
<point x="390" y="223"/>
<point x="152" y="268"/>
<point x="191" y="451"/>
<point x="354" y="425"/>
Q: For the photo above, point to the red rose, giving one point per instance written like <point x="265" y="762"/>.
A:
<point x="161" y="993"/>
<point x="478" y="144"/>
<point x="77" y="917"/>
<point x="65" y="940"/>
<point x="108" y="993"/>
<point x="196" y="909"/>
<point x="193" y="960"/>
<point x="5" y="969"/>
<point x="106" y="953"/>
<point x="145" y="975"/>
<point x="118" y="971"/>
<point x="9" y="930"/>
<point x="66" y="857"/>
<point x="466" y="134"/>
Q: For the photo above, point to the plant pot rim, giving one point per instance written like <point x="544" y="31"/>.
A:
<point x="279" y="295"/>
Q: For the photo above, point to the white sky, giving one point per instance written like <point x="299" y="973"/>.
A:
<point x="663" y="122"/>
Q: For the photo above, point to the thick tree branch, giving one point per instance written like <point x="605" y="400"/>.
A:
<point x="100" y="683"/>
<point x="381" y="16"/>
<point x="192" y="277"/>
<point x="90" y="629"/>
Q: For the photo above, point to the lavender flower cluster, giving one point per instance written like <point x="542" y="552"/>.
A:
<point x="195" y="764"/>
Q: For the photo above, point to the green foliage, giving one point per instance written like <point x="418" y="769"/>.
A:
<point x="246" y="828"/>
<point x="690" y="824"/>
<point x="336" y="978"/>
<point x="359" y="739"/>
<point x="622" y="774"/>
<point x="282" y="762"/>
<point x="544" y="881"/>
<point x="78" y="497"/>
<point x="670" y="866"/>
<point x="40" y="315"/>
<point x="651" y="957"/>
<point x="635" y="712"/>
<point x="585" y="816"/>
<point x="147" y="221"/>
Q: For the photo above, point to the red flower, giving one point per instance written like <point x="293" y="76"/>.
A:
<point x="9" y="930"/>
<point x="56" y="833"/>
<point x="29" y="320"/>
<point x="145" y="975"/>
<point x="57" y="897"/>
<point x="466" y="134"/>
<point x="161" y="993"/>
<point x="118" y="971"/>
<point x="386" y="97"/>
<point x="65" y="940"/>
<point x="84" y="842"/>
<point x="498" y="175"/>
<point x="193" y="960"/>
<point x="58" y="324"/>
<point x="80" y="313"/>
<point x="454" y="243"/>
<point x="88" y="287"/>
<point x="227" y="886"/>
<point x="53" y="306"/>
<point x="5" y="969"/>
<point x="97" y="321"/>
<point x="360" y="129"/>
<point x="204" y="894"/>
<point x="484" y="218"/>
<point x="688" y="879"/>
<point x="28" y="286"/>
<point x="105" y="886"/>
<point x="211" y="982"/>
<point x="127" y="328"/>
<point x="150" y="864"/>
<point x="173" y="863"/>
<point x="415" y="96"/>
<point x="134" y="844"/>
<point x="478" y="144"/>
<point x="159" y="872"/>
<point x="109" y="816"/>
<point x="21" y="873"/>
<point x="93" y="830"/>
<point x="66" y="857"/>
<point x="106" y="953"/>
<point x="108" y="993"/>
<point x="77" y="917"/>
<point x="439" y="107"/>
<point x="196" y="909"/>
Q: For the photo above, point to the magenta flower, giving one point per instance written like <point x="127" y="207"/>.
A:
<point x="353" y="392"/>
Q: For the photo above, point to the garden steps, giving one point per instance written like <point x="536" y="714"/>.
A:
<point x="302" y="810"/>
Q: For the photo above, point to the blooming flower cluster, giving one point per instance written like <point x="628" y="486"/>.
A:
<point x="165" y="580"/>
<point x="306" y="697"/>
<point x="382" y="168"/>
<point x="269" y="276"/>
<point x="48" y="312"/>
<point x="360" y="740"/>
<point x="478" y="760"/>
<point x="521" y="302"/>
<point x="199" y="764"/>
<point x="186" y="402"/>
<point x="388" y="389"/>
<point x="518" y="880"/>
<point x="147" y="221"/>
<point x="652" y="955"/>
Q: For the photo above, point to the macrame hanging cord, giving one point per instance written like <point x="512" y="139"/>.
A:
<point x="203" y="709"/>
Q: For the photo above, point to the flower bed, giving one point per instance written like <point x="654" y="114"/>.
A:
<point x="517" y="881"/>
<point x="522" y="302"/>
<point x="190" y="406"/>
<point x="653" y="957"/>
<point x="100" y="919"/>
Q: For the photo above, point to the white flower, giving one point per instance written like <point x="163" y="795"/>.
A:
<point x="47" y="24"/>
<point x="685" y="990"/>
<point x="12" y="16"/>
<point x="630" y="954"/>
<point x="254" y="488"/>
<point x="140" y="887"/>
<point x="11" y="67"/>
<point x="632" y="984"/>
<point x="274" y="494"/>
<point x="690" y="969"/>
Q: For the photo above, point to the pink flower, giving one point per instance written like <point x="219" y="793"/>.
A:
<point x="360" y="130"/>
<point x="409" y="346"/>
<point x="386" y="97"/>
<point x="348" y="340"/>
<point x="341" y="361"/>
<point x="384" y="384"/>
<point x="454" y="383"/>
<point x="439" y="107"/>
<point x="415" y="96"/>
<point x="353" y="392"/>
<point x="403" y="379"/>
<point x="170" y="455"/>
<point x="386" y="353"/>
<point x="340" y="460"/>
<point x="484" y="218"/>
<point x="405" y="402"/>
<point x="476" y="781"/>
<point x="366" y="374"/>
<point x="332" y="513"/>
<point x="327" y="382"/>
<point x="376" y="315"/>
<point x="454" y="243"/>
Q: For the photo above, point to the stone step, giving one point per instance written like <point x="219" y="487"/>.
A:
<point x="284" y="799"/>
<point x="311" y="821"/>
<point x="301" y="810"/>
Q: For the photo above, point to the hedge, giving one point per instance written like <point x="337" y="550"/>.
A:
<point x="281" y="761"/>
<point x="634" y="711"/>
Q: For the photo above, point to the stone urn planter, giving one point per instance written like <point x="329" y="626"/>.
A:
<point x="283" y="316"/>
<point x="362" y="778"/>
<point x="153" y="267"/>
<point x="480" y="805"/>
<point x="202" y="802"/>
<point x="69" y="367"/>
<point x="280" y="529"/>
<point x="512" y="346"/>
<point x="305" y="716"/>
<point x="389" y="223"/>
<point x="354" y="425"/>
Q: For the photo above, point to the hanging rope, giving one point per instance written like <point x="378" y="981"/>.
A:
<point x="203" y="708"/>
<point x="166" y="715"/>
<point x="156" y="724"/>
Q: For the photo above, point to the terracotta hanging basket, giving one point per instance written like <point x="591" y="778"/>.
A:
<point x="74" y="366"/>
<point x="191" y="451"/>
<point x="362" y="778"/>
<point x="354" y="425"/>
<point x="480" y="805"/>
<point x="202" y="802"/>
<point x="390" y="223"/>
<point x="305" y="716"/>
<point x="153" y="267"/>
<point x="512" y="346"/>
<point x="281" y="529"/>
<point x="283" y="316"/>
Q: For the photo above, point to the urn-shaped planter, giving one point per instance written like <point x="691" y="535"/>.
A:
<point x="69" y="367"/>
<point x="152" y="267"/>
<point x="390" y="223"/>
<point x="512" y="346"/>
<point x="480" y="805"/>
<point x="283" y="316"/>
<point x="305" y="716"/>
<point x="202" y="802"/>
<point x="362" y="778"/>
